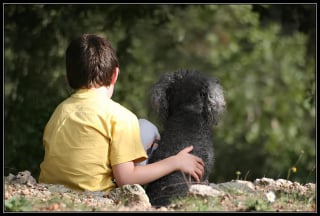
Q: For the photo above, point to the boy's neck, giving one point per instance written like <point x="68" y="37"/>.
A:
<point x="107" y="90"/>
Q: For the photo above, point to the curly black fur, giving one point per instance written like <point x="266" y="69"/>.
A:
<point x="188" y="104"/>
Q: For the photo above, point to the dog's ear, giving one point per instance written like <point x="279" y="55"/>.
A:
<point x="216" y="101"/>
<point x="158" y="95"/>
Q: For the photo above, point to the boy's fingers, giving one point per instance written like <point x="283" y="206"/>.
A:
<point x="195" y="176"/>
<point x="188" y="149"/>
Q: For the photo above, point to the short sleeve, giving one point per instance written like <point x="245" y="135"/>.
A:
<point x="126" y="143"/>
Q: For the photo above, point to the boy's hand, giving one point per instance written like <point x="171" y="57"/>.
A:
<point x="190" y="164"/>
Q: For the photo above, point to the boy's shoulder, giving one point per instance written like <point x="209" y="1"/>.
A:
<point x="120" y="110"/>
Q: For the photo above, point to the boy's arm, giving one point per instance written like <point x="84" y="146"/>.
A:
<point x="128" y="173"/>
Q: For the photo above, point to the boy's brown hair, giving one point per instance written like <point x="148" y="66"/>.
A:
<point x="90" y="62"/>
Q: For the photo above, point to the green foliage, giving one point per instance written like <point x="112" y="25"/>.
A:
<point x="268" y="74"/>
<point x="257" y="205"/>
<point x="196" y="203"/>
<point x="17" y="204"/>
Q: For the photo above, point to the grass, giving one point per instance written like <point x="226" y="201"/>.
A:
<point x="22" y="204"/>
<point x="248" y="202"/>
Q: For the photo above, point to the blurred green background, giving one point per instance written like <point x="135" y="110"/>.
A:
<point x="264" y="56"/>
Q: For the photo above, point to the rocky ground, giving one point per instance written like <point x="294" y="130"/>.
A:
<point x="23" y="193"/>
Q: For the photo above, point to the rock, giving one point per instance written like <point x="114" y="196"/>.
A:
<point x="23" y="177"/>
<point x="131" y="195"/>
<point x="204" y="190"/>
<point x="282" y="182"/>
<point x="57" y="188"/>
<point x="311" y="186"/>
<point x="246" y="183"/>
<point x="264" y="181"/>
<point x="235" y="186"/>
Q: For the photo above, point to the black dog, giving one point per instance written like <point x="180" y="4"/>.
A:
<point x="188" y="103"/>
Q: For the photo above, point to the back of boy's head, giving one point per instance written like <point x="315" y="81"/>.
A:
<point x="90" y="62"/>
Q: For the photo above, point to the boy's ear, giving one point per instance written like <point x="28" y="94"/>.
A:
<point x="115" y="74"/>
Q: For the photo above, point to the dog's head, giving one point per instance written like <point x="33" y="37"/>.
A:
<point x="188" y="91"/>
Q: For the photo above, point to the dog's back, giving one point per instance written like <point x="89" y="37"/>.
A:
<point x="178" y="135"/>
<point x="188" y="103"/>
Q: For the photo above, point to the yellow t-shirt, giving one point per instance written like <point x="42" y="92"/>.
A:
<point x="86" y="135"/>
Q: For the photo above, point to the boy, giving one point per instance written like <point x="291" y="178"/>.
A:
<point x="93" y="143"/>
